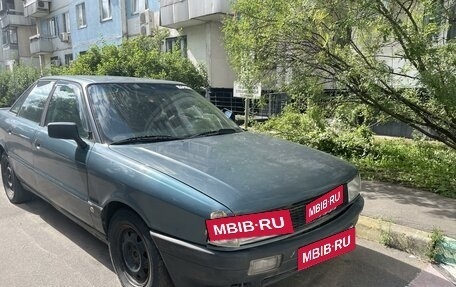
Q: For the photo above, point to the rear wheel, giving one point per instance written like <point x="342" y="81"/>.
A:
<point x="13" y="188"/>
<point x="134" y="256"/>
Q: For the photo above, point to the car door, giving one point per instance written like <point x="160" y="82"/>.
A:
<point x="22" y="130"/>
<point x="61" y="165"/>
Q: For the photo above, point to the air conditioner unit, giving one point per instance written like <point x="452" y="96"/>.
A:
<point x="64" y="36"/>
<point x="55" y="62"/>
<point x="142" y="18"/>
<point x="146" y="17"/>
<point x="43" y="5"/>
<point x="146" y="30"/>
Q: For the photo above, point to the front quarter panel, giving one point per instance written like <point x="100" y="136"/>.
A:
<point x="166" y="205"/>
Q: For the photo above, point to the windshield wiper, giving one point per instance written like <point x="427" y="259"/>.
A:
<point x="146" y="139"/>
<point x="216" y="132"/>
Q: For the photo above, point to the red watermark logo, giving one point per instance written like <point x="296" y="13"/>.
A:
<point x="326" y="249"/>
<point x="250" y="225"/>
<point x="324" y="204"/>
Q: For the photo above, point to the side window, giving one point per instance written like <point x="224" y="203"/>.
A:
<point x="34" y="103"/>
<point x="66" y="106"/>
<point x="18" y="103"/>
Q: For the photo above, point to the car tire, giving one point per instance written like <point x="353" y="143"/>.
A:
<point x="13" y="188"/>
<point x="134" y="256"/>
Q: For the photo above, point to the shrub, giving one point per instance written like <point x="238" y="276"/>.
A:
<point x="312" y="129"/>
<point x="138" y="57"/>
<point x="415" y="163"/>
<point x="14" y="83"/>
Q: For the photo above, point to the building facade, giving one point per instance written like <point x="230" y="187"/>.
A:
<point x="16" y="31"/>
<point x="197" y="26"/>
<point x="54" y="32"/>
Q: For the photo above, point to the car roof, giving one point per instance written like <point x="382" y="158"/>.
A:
<point x="86" y="80"/>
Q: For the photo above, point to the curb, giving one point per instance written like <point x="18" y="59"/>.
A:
<point x="406" y="239"/>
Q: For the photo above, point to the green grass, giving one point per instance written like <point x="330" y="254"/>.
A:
<point x="425" y="165"/>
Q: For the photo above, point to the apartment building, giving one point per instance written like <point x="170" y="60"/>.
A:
<point x="16" y="30"/>
<point x="54" y="32"/>
<point x="196" y="25"/>
<point x="51" y="44"/>
<point x="42" y="33"/>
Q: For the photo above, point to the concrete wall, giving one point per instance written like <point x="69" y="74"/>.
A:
<point x="97" y="32"/>
<point x="205" y="46"/>
<point x="23" y="38"/>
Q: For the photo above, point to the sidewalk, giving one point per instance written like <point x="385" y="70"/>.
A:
<point x="404" y="218"/>
<point x="413" y="208"/>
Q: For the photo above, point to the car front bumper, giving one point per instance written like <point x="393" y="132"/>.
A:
<point x="196" y="265"/>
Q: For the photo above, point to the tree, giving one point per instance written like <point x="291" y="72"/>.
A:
<point x="392" y="55"/>
<point x="138" y="57"/>
<point x="14" y="83"/>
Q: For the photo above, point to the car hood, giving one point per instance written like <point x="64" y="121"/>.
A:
<point x="246" y="172"/>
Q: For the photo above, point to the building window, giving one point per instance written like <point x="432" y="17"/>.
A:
<point x="66" y="22"/>
<point x="451" y="33"/>
<point x="10" y="5"/>
<point x="105" y="9"/>
<point x="52" y="27"/>
<point x="12" y="36"/>
<point x="177" y="44"/>
<point x="55" y="61"/>
<point x="9" y="37"/>
<point x="81" y="15"/>
<point x="135" y="7"/>
<point x="68" y="59"/>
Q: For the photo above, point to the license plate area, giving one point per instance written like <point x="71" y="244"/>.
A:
<point x="326" y="249"/>
<point x="324" y="204"/>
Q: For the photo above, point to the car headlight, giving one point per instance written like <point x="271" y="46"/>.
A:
<point x="233" y="242"/>
<point x="354" y="188"/>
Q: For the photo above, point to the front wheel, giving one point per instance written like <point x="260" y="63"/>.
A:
<point x="134" y="256"/>
<point x="13" y="188"/>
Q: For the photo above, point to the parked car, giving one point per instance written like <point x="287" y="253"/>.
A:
<point x="150" y="167"/>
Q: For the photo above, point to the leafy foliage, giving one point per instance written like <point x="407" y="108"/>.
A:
<point x="311" y="128"/>
<point x="391" y="55"/>
<point x="420" y="164"/>
<point x="13" y="84"/>
<point x="138" y="57"/>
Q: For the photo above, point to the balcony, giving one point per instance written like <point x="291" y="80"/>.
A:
<point x="40" y="45"/>
<point x="183" y="13"/>
<point x="10" y="52"/>
<point x="14" y="20"/>
<point x="36" y="8"/>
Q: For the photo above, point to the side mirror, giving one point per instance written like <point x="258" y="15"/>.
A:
<point x="66" y="131"/>
<point x="229" y="114"/>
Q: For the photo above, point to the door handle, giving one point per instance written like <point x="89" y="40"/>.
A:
<point x="37" y="145"/>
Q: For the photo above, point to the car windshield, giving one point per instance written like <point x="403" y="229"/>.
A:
<point x="141" y="112"/>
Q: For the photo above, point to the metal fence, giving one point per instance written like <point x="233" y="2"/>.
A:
<point x="393" y="129"/>
<point x="271" y="104"/>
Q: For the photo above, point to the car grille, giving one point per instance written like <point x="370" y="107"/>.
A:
<point x="298" y="216"/>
